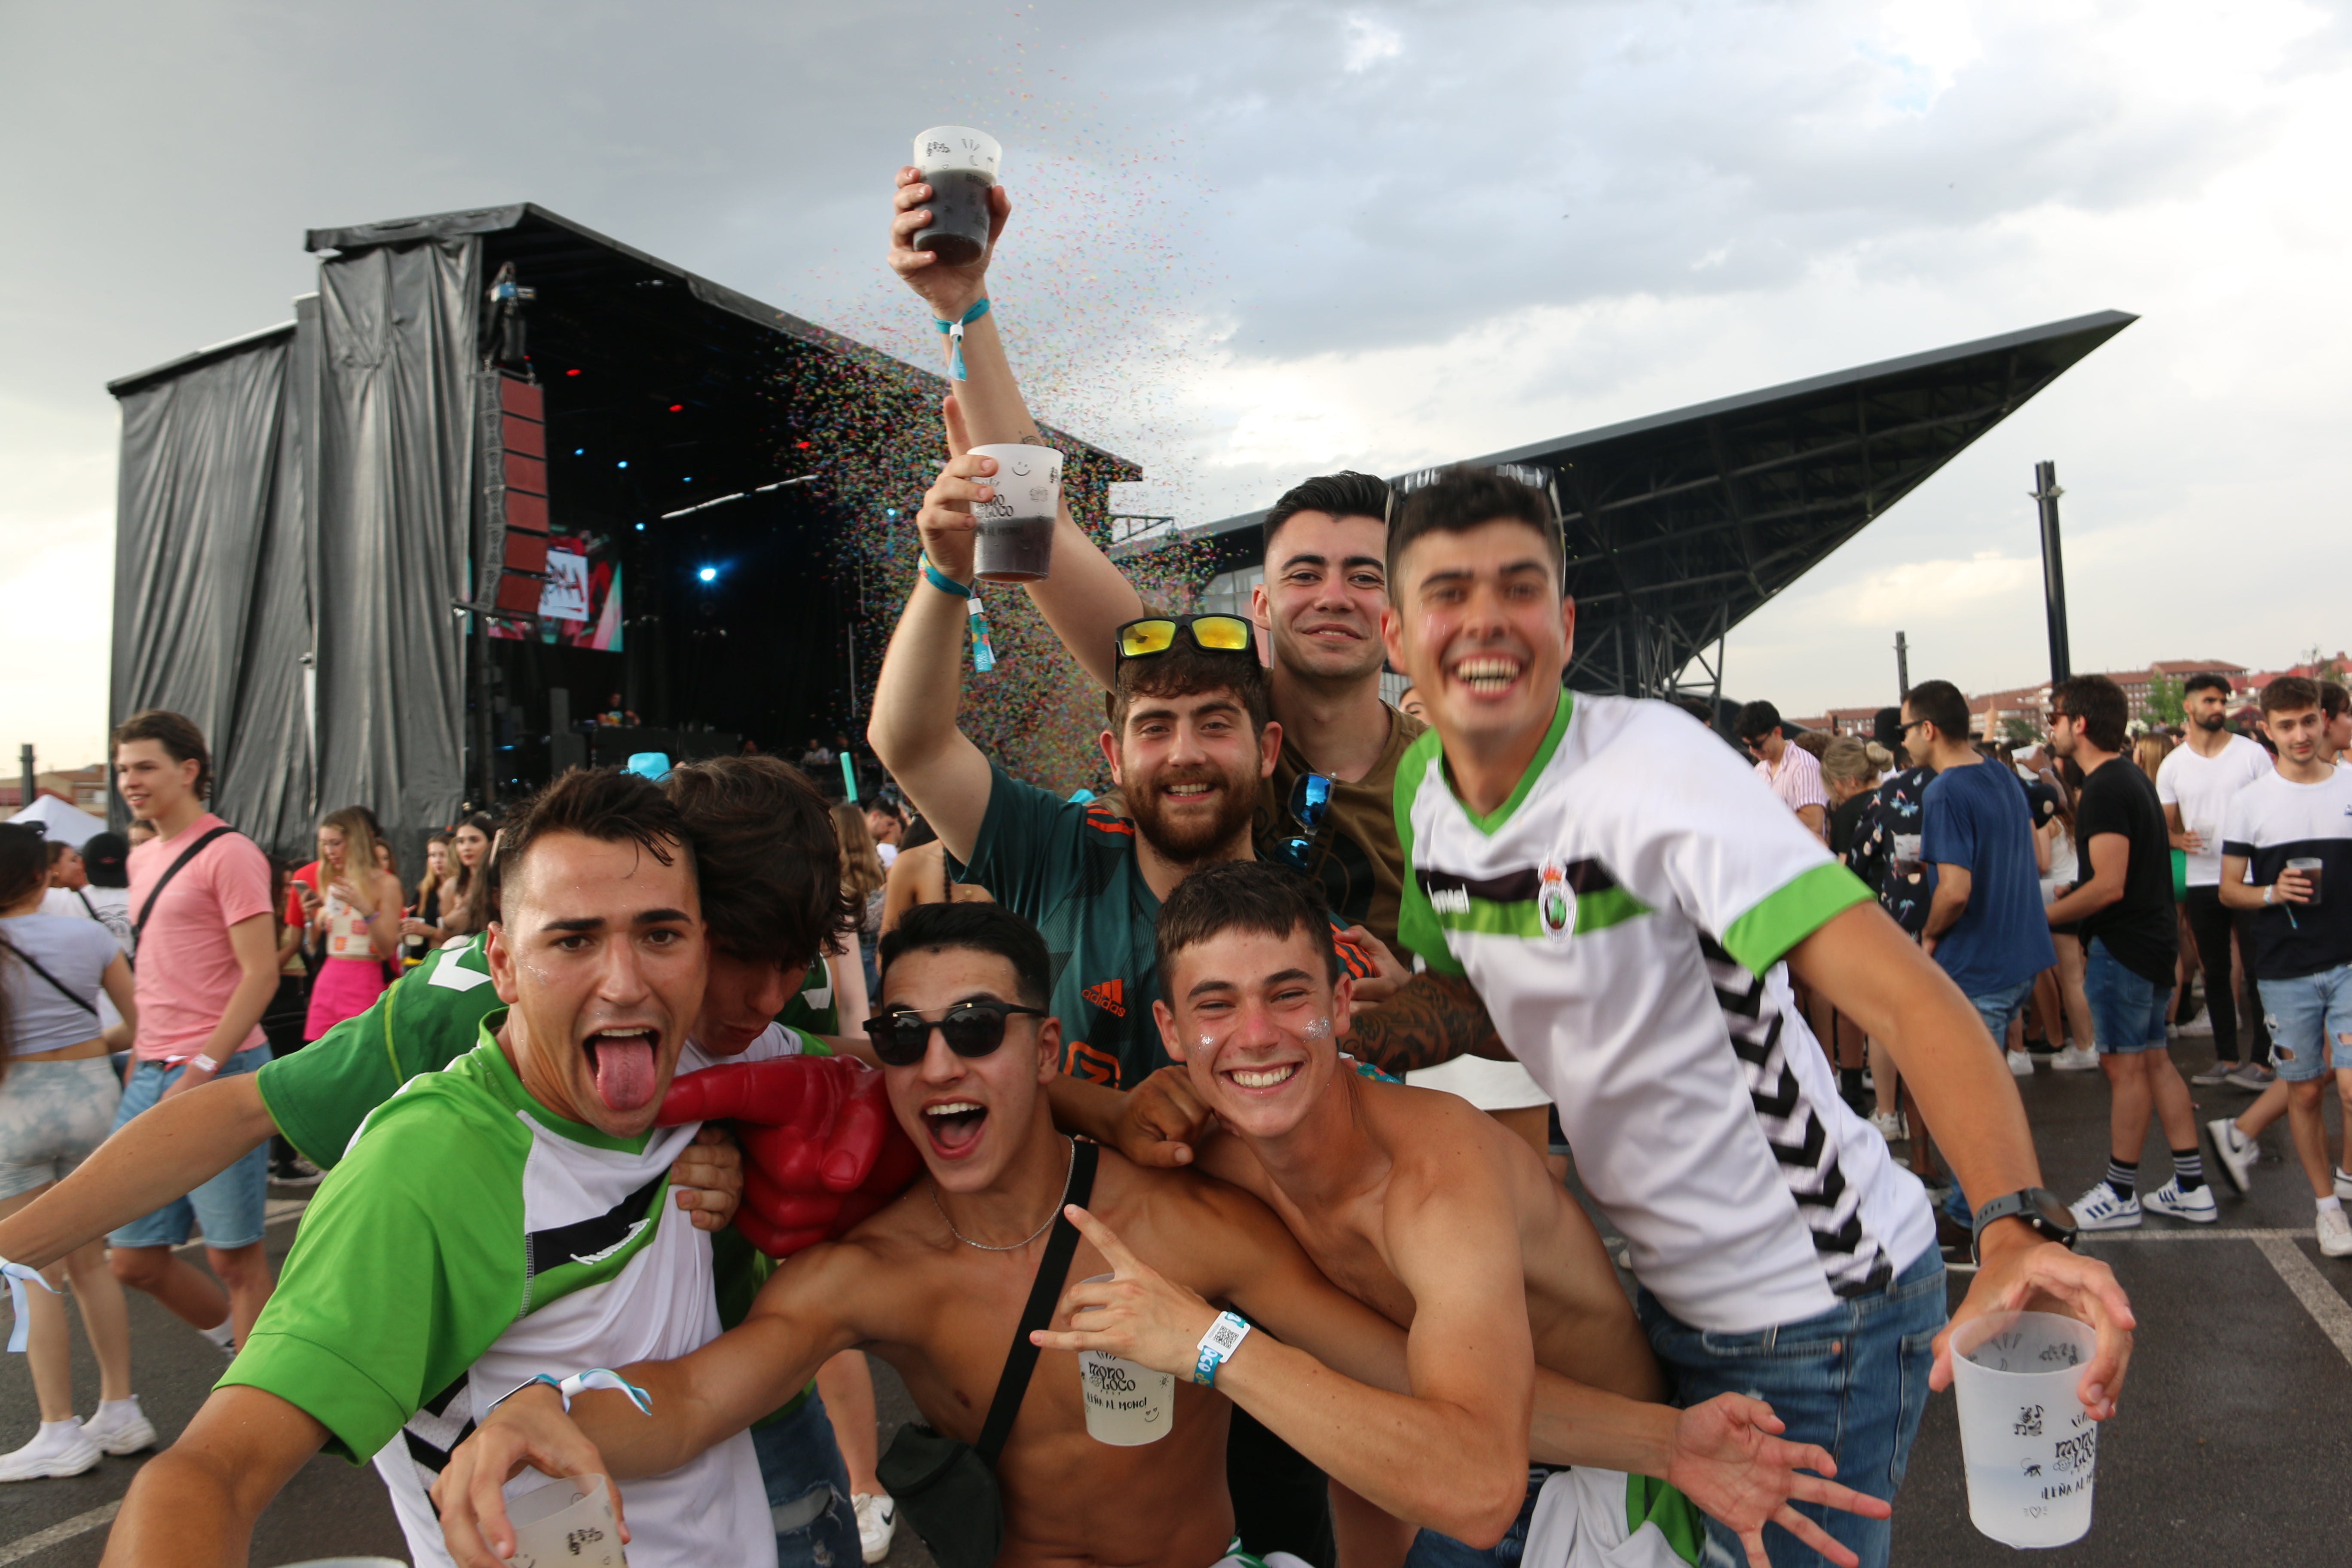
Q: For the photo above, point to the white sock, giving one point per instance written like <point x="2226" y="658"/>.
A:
<point x="107" y="1407"/>
<point x="59" y="1428"/>
<point x="221" y="1335"/>
<point x="2331" y="1204"/>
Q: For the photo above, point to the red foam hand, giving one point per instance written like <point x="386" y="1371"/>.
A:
<point x="821" y="1149"/>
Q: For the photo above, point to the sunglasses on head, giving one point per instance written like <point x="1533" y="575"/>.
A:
<point x="971" y="1029"/>
<point x="1310" y="802"/>
<point x="1211" y="634"/>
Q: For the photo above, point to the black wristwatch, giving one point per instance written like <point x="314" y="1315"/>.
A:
<point x="2037" y="1206"/>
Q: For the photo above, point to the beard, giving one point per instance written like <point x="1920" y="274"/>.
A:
<point x="2209" y="722"/>
<point x="1193" y="837"/>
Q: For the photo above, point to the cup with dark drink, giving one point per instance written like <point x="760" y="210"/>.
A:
<point x="1907" y="864"/>
<point x="2309" y="868"/>
<point x="1014" y="540"/>
<point x="960" y="165"/>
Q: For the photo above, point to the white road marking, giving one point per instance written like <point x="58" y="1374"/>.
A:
<point x="2311" y="1287"/>
<point x="24" y="1546"/>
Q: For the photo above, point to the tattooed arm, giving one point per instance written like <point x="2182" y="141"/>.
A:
<point x="1433" y="1018"/>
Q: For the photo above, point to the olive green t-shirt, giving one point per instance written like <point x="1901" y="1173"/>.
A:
<point x="1356" y="856"/>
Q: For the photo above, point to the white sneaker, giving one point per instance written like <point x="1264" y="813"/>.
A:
<point x="2020" y="1064"/>
<point x="2335" y="1233"/>
<point x="1890" y="1126"/>
<point x="2100" y="1209"/>
<point x="877" y="1521"/>
<point x="60" y="1449"/>
<point x="121" y="1428"/>
<point x="2074" y="1058"/>
<point x="2236" y="1154"/>
<point x="2342" y="1183"/>
<point x="2173" y="1200"/>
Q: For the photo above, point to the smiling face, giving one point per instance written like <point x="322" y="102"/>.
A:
<point x="1190" y="769"/>
<point x="151" y="782"/>
<point x="1255" y="1019"/>
<point x="601" y="957"/>
<point x="1477" y="623"/>
<point x="1326" y="585"/>
<point x="969" y="1115"/>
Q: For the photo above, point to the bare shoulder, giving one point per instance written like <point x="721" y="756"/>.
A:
<point x="1180" y="1212"/>
<point x="1446" y="1156"/>
<point x="866" y="1278"/>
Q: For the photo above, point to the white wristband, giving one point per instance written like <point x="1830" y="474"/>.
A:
<point x="204" y="1063"/>
<point x="1217" y="1346"/>
<point x="579" y="1383"/>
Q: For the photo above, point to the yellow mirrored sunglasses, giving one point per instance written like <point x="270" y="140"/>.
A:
<point x="1157" y="634"/>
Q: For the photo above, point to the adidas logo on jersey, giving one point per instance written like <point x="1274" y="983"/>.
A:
<point x="1110" y="996"/>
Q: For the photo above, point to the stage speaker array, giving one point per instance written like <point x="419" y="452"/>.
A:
<point x="519" y="462"/>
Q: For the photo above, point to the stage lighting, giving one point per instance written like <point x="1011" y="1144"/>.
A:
<point x="678" y="409"/>
<point x="622" y="464"/>
<point x="708" y="574"/>
<point x="641" y="528"/>
<point x="579" y="451"/>
<point x="573" y="371"/>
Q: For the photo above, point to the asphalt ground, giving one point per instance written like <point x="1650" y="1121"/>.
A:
<point x="2233" y="1438"/>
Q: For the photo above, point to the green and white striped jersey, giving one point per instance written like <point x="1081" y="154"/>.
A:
<point x="1623" y="915"/>
<point x="469" y="1240"/>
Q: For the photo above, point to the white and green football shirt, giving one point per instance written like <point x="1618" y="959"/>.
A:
<point x="469" y="1240"/>
<point x="1623" y="915"/>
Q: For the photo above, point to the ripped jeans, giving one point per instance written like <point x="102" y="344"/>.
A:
<point x="808" y="1488"/>
<point x="2310" y="1019"/>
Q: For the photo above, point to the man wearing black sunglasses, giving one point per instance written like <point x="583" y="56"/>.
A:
<point x="936" y="1285"/>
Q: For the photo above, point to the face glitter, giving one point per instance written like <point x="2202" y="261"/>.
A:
<point x="1320" y="1029"/>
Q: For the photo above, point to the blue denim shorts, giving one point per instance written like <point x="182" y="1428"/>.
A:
<point x="2310" y="1019"/>
<point x="1997" y="1009"/>
<point x="1854" y="1380"/>
<point x="2127" y="1009"/>
<point x="808" y="1488"/>
<point x="229" y="1206"/>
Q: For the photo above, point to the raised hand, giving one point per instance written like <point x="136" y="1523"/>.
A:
<point x="946" y="520"/>
<point x="822" y="1150"/>
<point x="948" y="291"/>
<point x="1137" y="1314"/>
<point x="1731" y="1462"/>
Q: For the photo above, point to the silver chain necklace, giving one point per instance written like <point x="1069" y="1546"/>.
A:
<point x="1033" y="1235"/>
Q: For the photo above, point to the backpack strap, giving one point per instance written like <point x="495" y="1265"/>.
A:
<point x="1052" y="1269"/>
<point x="139" y="926"/>
<point x="30" y="961"/>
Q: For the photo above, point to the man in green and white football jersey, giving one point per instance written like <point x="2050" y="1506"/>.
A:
<point x="504" y="1216"/>
<point x="1624" y="897"/>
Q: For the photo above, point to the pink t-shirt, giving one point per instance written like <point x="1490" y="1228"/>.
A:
<point x="1798" y="780"/>
<point x="186" y="969"/>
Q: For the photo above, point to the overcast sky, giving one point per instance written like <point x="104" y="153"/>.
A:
<point x="1256" y="241"/>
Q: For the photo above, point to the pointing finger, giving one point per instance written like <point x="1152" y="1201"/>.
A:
<point x="1106" y="1240"/>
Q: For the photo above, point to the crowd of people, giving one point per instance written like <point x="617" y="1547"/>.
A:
<point x="657" y="1104"/>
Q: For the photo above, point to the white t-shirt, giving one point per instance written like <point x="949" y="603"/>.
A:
<point x="1623" y="915"/>
<point x="110" y="907"/>
<point x="2202" y="788"/>
<point x="889" y="852"/>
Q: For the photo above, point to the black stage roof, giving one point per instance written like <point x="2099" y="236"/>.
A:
<point x="1680" y="525"/>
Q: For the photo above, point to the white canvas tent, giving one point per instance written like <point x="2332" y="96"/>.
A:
<point x="68" y="823"/>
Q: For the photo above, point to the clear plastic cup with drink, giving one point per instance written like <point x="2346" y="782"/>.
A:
<point x="1907" y="864"/>
<point x="2030" y="1446"/>
<point x="568" y="1521"/>
<point x="1015" y="531"/>
<point x="960" y="164"/>
<point x="2309" y="868"/>
<point x="1126" y="1405"/>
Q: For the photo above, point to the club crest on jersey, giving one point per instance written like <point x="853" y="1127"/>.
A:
<point x="1554" y="903"/>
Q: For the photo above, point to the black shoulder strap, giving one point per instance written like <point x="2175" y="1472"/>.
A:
<point x="30" y="961"/>
<point x="192" y="850"/>
<point x="1052" y="1269"/>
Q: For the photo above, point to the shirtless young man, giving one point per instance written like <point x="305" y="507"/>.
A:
<point x="935" y="1285"/>
<point x="1440" y="1220"/>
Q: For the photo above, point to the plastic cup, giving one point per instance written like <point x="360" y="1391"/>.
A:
<point x="960" y="165"/>
<point x="1126" y="1405"/>
<point x="2309" y="868"/>
<point x="1907" y="864"/>
<point x="568" y="1522"/>
<point x="2030" y="1446"/>
<point x="1015" y="542"/>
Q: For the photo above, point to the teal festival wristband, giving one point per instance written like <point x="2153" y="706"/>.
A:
<point x="954" y="331"/>
<point x="942" y="581"/>
<point x="1217" y="1346"/>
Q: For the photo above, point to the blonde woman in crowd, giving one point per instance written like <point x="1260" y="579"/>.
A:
<point x="356" y="924"/>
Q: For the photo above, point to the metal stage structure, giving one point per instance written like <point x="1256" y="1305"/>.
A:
<point x="1682" y="525"/>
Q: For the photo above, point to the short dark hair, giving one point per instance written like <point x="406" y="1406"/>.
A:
<point x="24" y="860"/>
<point x="2099" y="703"/>
<point x="2289" y="692"/>
<point x="2332" y="701"/>
<point x="1255" y="896"/>
<point x="605" y="804"/>
<point x="977" y="928"/>
<point x="1344" y="494"/>
<point x="1461" y="499"/>
<point x="176" y="733"/>
<point x="1940" y="703"/>
<point x="2205" y="680"/>
<point x="766" y="857"/>
<point x="1756" y="719"/>
<point x="1698" y="707"/>
<point x="58" y="849"/>
<point x="1186" y="670"/>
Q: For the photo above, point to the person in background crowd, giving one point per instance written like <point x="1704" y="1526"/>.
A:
<point x="2333" y="702"/>
<point x="64" y="868"/>
<point x="919" y="875"/>
<point x="58" y="1097"/>
<point x="2131" y="941"/>
<point x="1410" y="704"/>
<point x="617" y="714"/>
<point x="465" y="898"/>
<point x="1851" y="781"/>
<point x="2196" y="781"/>
<point x="207" y="968"/>
<point x="1791" y="772"/>
<point x="289" y="1010"/>
<point x="420" y="929"/>
<point x="1886" y="857"/>
<point x="2061" y="869"/>
<point x="862" y="878"/>
<point x="355" y="927"/>
<point x="91" y="884"/>
<point x="1813" y="743"/>
<point x="141" y="831"/>
<point x="2282" y="836"/>
<point x="2148" y="751"/>
<point x="883" y="821"/>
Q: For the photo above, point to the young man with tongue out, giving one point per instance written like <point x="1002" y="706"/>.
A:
<point x="1625" y="896"/>
<point x="504" y="1218"/>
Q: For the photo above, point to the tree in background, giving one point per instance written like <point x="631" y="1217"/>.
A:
<point x="2166" y="702"/>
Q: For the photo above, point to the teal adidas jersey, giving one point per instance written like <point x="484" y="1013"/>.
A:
<point x="1623" y="914"/>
